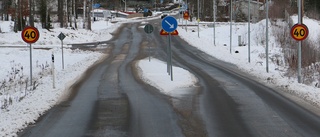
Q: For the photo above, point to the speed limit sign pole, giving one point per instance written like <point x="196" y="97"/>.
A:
<point x="299" y="32"/>
<point x="300" y="44"/>
<point x="30" y="35"/>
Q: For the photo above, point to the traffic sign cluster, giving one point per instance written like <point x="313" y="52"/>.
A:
<point x="30" y="35"/>
<point x="169" y="26"/>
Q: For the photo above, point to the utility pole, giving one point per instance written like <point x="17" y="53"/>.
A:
<point x="214" y="22"/>
<point x="249" y="21"/>
<point x="267" y="37"/>
<point x="300" y="43"/>
<point x="230" y="24"/>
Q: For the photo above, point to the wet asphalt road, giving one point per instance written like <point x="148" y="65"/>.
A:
<point x="111" y="101"/>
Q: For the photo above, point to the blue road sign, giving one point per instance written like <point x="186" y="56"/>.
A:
<point x="95" y="6"/>
<point x="169" y="24"/>
<point x="145" y="10"/>
<point x="185" y="6"/>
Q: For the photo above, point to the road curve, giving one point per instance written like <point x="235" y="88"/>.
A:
<point x="110" y="100"/>
<point x="235" y="104"/>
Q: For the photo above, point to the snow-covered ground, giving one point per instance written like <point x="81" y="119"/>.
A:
<point x="15" y="71"/>
<point x="158" y="76"/>
<point x="15" y="68"/>
<point x="257" y="65"/>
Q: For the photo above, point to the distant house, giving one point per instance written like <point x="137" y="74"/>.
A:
<point x="239" y="6"/>
<point x="176" y="1"/>
<point x="255" y="7"/>
<point x="223" y="10"/>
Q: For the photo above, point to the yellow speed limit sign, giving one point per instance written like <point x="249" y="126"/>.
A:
<point x="299" y="32"/>
<point x="30" y="35"/>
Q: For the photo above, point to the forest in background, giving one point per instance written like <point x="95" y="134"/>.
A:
<point x="66" y="12"/>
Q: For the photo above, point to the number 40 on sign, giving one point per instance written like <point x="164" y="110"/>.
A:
<point x="30" y="35"/>
<point x="299" y="32"/>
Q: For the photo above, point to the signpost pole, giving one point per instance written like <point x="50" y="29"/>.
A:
<point x="169" y="25"/>
<point x="53" y="73"/>
<point x="299" y="32"/>
<point x="249" y="21"/>
<point x="61" y="36"/>
<point x="31" y="65"/>
<point x="214" y="22"/>
<point x="171" y="71"/>
<point x="30" y="35"/>
<point x="186" y="24"/>
<point x="299" y="45"/>
<point x="149" y="48"/>
<point x="62" y="54"/>
<point x="168" y="57"/>
<point x="267" y="36"/>
<point x="230" y="24"/>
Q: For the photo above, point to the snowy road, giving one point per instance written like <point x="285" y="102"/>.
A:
<point x="232" y="103"/>
<point x="112" y="101"/>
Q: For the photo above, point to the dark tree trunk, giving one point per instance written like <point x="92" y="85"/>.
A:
<point x="60" y="13"/>
<point x="89" y="14"/>
<point x="31" y="10"/>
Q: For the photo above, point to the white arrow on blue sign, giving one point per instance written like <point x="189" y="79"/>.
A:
<point x="169" y="24"/>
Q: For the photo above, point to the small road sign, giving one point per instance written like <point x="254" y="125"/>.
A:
<point x="148" y="28"/>
<point x="186" y="15"/>
<point x="96" y="5"/>
<point x="169" y="24"/>
<point x="299" y="32"/>
<point x="30" y="34"/>
<point x="61" y="36"/>
<point x="162" y="32"/>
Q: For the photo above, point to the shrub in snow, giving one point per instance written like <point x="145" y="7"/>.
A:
<point x="17" y="84"/>
<point x="289" y="54"/>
